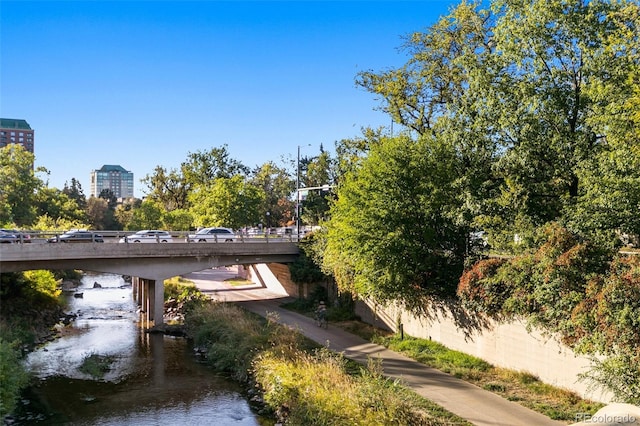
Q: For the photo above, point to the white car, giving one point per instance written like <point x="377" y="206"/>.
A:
<point x="148" y="236"/>
<point x="213" y="235"/>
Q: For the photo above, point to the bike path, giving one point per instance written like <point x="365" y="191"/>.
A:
<point x="466" y="400"/>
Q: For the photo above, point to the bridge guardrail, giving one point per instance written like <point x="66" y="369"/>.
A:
<point x="41" y="237"/>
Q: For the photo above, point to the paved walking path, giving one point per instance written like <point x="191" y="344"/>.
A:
<point x="468" y="401"/>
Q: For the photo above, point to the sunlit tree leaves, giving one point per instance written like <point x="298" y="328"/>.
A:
<point x="390" y="235"/>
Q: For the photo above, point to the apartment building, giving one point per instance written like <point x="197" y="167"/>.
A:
<point x="113" y="177"/>
<point x="16" y="131"/>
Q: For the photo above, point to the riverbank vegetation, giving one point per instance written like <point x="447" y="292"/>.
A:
<point x="300" y="382"/>
<point x="29" y="308"/>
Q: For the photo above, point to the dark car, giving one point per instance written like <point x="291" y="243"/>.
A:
<point x="21" y="236"/>
<point x="77" y="237"/>
<point x="7" y="238"/>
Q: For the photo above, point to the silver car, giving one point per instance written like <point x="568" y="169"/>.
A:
<point x="148" y="236"/>
<point x="212" y="235"/>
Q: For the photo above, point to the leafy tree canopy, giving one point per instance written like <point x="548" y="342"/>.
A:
<point x="18" y="186"/>
<point x="390" y="235"/>
<point x="229" y="202"/>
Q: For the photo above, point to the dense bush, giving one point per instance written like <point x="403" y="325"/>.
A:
<point x="183" y="291"/>
<point x="582" y="292"/>
<point x="12" y="377"/>
<point x="608" y="322"/>
<point x="231" y="338"/>
<point x="29" y="306"/>
<point x="479" y="293"/>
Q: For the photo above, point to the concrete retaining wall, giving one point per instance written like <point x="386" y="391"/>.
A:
<point x="508" y="345"/>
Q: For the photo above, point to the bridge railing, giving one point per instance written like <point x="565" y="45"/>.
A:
<point x="41" y="237"/>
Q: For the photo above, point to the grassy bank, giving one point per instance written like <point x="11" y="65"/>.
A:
<point x="29" y="308"/>
<point x="523" y="388"/>
<point x="301" y="383"/>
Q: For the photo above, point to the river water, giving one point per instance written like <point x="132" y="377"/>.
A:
<point x="153" y="379"/>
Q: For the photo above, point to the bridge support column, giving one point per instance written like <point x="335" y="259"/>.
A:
<point x="135" y="286"/>
<point x="158" y="309"/>
<point x="151" y="294"/>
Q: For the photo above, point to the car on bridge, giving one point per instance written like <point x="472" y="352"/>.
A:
<point x="148" y="236"/>
<point x="21" y="237"/>
<point x="215" y="234"/>
<point x="77" y="236"/>
<point x="7" y="238"/>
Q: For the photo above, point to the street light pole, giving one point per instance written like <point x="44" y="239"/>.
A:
<point x="298" y="196"/>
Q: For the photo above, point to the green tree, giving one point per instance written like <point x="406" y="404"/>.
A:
<point x="147" y="216"/>
<point x="168" y="188"/>
<point x="57" y="205"/>
<point x="202" y="167"/>
<point x="390" y="236"/>
<point x="277" y="186"/>
<point x="230" y="202"/>
<point x="74" y="191"/>
<point x="18" y="186"/>
<point x="109" y="219"/>
<point x="177" y="220"/>
<point x="447" y="89"/>
<point x="609" y="197"/>
<point x="124" y="212"/>
<point x="531" y="94"/>
<point x="97" y="211"/>
<point x="319" y="173"/>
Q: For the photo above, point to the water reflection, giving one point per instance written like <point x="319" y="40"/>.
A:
<point x="153" y="380"/>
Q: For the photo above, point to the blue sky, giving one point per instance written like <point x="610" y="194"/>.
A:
<point x="142" y="84"/>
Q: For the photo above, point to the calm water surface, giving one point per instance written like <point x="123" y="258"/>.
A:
<point x="153" y="380"/>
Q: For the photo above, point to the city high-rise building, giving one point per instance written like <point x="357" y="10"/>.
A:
<point x="115" y="178"/>
<point x="14" y="131"/>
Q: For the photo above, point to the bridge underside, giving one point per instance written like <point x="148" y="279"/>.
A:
<point x="148" y="264"/>
<point x="150" y="268"/>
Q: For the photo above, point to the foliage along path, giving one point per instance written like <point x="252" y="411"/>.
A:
<point x="468" y="401"/>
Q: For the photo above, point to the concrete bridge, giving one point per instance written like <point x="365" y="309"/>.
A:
<point x="148" y="264"/>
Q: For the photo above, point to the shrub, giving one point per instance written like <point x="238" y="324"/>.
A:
<point x="231" y="337"/>
<point x="13" y="377"/>
<point x="183" y="291"/>
<point x="480" y="294"/>
<point x="316" y="389"/>
<point x="575" y="289"/>
<point x="611" y="313"/>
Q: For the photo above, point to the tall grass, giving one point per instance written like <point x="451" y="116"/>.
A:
<point x="304" y="386"/>
<point x="315" y="389"/>
<point x="229" y="335"/>
<point x="181" y="289"/>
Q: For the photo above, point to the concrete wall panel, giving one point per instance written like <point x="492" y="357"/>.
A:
<point x="508" y="345"/>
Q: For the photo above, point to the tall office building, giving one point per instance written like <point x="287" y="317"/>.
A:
<point x="115" y="178"/>
<point x="16" y="131"/>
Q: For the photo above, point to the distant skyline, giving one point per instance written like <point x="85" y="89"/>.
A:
<point x="142" y="84"/>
